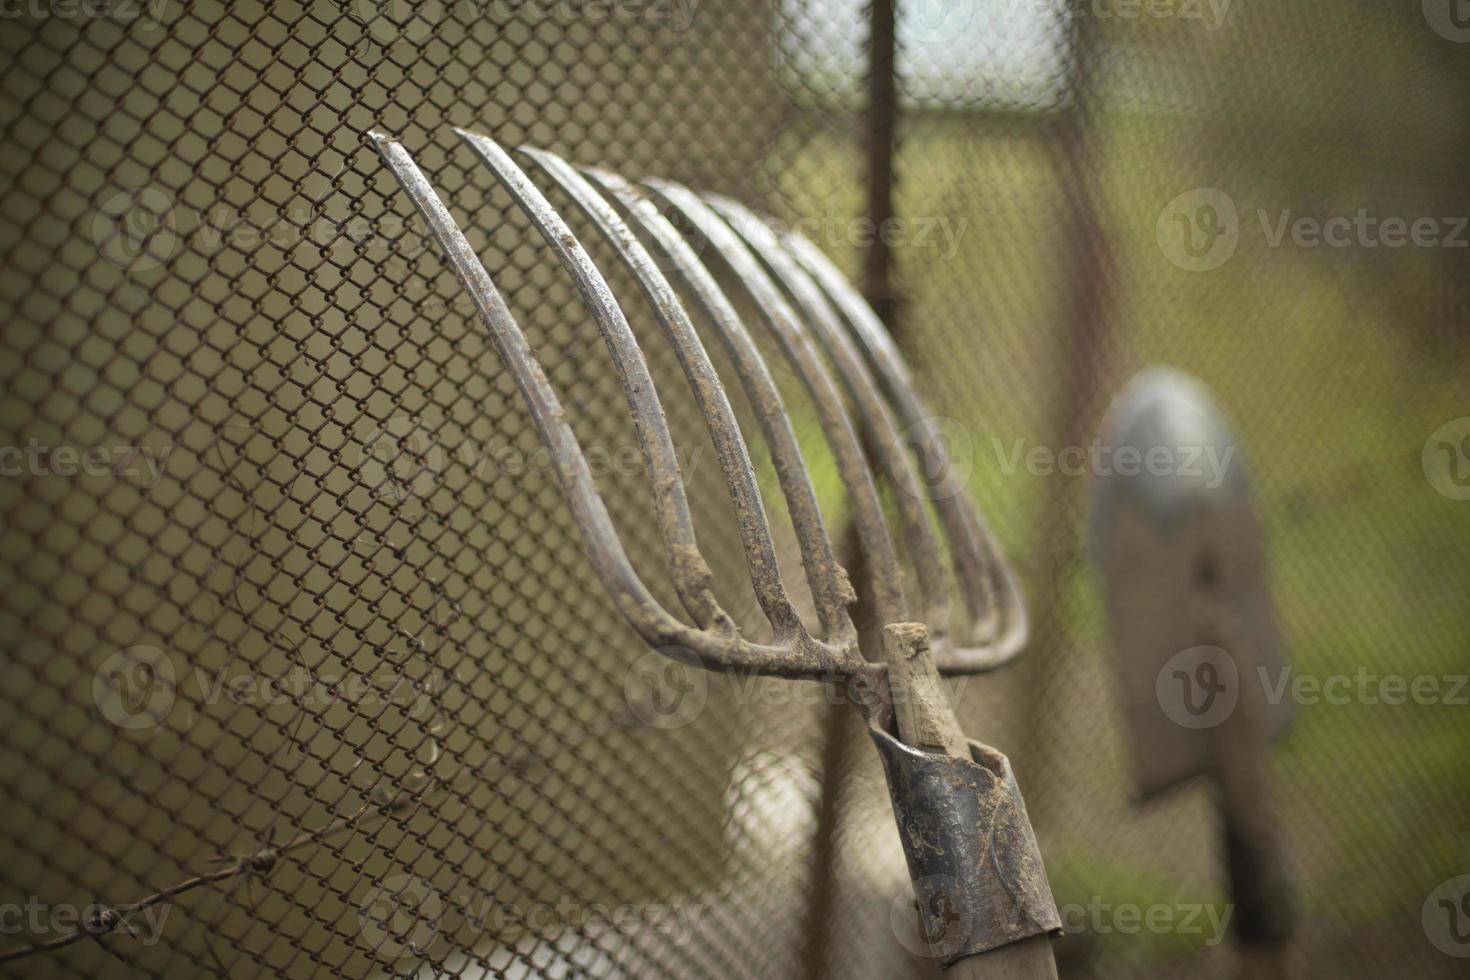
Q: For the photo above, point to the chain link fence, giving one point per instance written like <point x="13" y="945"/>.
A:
<point x="308" y="675"/>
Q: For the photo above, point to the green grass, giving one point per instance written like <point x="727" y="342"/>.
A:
<point x="1321" y="359"/>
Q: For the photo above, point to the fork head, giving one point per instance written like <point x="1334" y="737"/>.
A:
<point x="958" y="802"/>
<point x="816" y="319"/>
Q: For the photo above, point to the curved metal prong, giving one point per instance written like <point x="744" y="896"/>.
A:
<point x="889" y="603"/>
<point x="691" y="576"/>
<point x="831" y="591"/>
<point x="929" y="734"/>
<point x="709" y="393"/>
<point x="723" y="649"/>
<point x="998" y="624"/>
<point x="872" y="411"/>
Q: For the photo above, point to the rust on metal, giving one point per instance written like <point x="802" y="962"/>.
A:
<point x="990" y="850"/>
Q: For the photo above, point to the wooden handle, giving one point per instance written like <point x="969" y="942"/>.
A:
<point x="1029" y="959"/>
<point x="923" y="714"/>
<point x="926" y="721"/>
<point x="1240" y="748"/>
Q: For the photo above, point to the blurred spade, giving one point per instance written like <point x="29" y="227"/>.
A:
<point x="1176" y="535"/>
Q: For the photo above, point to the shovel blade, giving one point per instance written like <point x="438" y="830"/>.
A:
<point x="1180" y="546"/>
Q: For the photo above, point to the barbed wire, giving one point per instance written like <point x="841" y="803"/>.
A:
<point x="107" y="919"/>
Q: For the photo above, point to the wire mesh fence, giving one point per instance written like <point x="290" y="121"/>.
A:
<point x="309" y="675"/>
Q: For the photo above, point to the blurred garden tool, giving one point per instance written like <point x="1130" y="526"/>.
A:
<point x="977" y="871"/>
<point x="1176" y="535"/>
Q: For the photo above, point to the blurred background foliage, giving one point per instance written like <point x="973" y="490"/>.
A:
<point x="1336" y="364"/>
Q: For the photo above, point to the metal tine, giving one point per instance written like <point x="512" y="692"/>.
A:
<point x="828" y="582"/>
<point x="709" y="393"/>
<point x="831" y="590"/>
<point x="926" y="725"/>
<point x="998" y="623"/>
<point x="720" y="650"/>
<point x="974" y="569"/>
<point x="878" y="547"/>
<point x="873" y="413"/>
<point x="692" y="577"/>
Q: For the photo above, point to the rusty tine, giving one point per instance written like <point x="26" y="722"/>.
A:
<point x="709" y="393"/>
<point x="796" y="343"/>
<point x="671" y="504"/>
<point x="996" y="618"/>
<point x="966" y="836"/>
<point x="872" y="413"/>
<point x="830" y="588"/>
<point x="715" y="643"/>
<point x="998" y="624"/>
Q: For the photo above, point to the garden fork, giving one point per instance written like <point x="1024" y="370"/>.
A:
<point x="982" y="891"/>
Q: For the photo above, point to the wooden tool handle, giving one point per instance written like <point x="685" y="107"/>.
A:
<point x="926" y="721"/>
<point x="1029" y="959"/>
